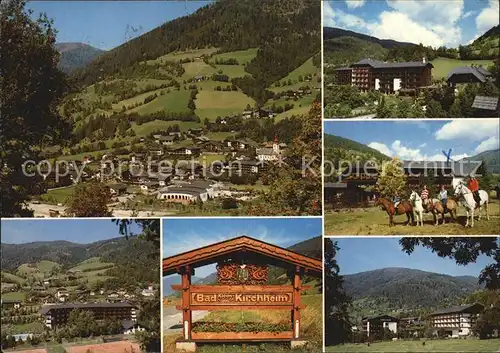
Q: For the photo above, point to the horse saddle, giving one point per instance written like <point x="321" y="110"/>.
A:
<point x="477" y="198"/>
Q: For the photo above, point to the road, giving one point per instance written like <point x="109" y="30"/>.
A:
<point x="172" y="319"/>
<point x="42" y="210"/>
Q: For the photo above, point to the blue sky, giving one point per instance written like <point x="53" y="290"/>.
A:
<point x="73" y="230"/>
<point x="430" y="22"/>
<point x="107" y="24"/>
<point x="422" y="140"/>
<point x="367" y="254"/>
<point x="180" y="235"/>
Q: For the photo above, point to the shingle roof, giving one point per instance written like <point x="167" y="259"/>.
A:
<point x="478" y="72"/>
<point x="388" y="65"/>
<point x="486" y="103"/>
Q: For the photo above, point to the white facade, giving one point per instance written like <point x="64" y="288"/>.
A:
<point x="459" y="324"/>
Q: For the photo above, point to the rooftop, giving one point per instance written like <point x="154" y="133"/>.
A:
<point x="391" y="65"/>
<point x="485" y="103"/>
<point x="458" y="309"/>
<point x="480" y="73"/>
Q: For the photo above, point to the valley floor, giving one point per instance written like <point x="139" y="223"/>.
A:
<point x="449" y="345"/>
<point x="373" y="221"/>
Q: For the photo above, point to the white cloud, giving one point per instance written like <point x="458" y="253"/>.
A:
<point x="427" y="22"/>
<point x="398" y="26"/>
<point x="352" y="4"/>
<point x="489" y="144"/>
<point x="381" y="147"/>
<point x="397" y="149"/>
<point x="472" y="130"/>
<point x="468" y="14"/>
<point x="488" y="17"/>
<point x="423" y="145"/>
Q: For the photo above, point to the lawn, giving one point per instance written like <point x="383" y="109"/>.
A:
<point x="373" y="221"/>
<point x="449" y="345"/>
<point x="155" y="125"/>
<point x="32" y="327"/>
<point x="175" y="101"/>
<point x="59" y="195"/>
<point x="442" y="66"/>
<point x="14" y="296"/>
<point x="233" y="70"/>
<point x="211" y="104"/>
<point x="206" y="159"/>
<point x="137" y="99"/>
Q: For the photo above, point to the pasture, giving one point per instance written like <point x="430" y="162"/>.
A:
<point x="59" y="195"/>
<point x="174" y="102"/>
<point x="243" y="56"/>
<point x="374" y="221"/>
<point x="14" y="296"/>
<point x="92" y="264"/>
<point x="449" y="345"/>
<point x="155" y="125"/>
<point x="307" y="68"/>
<point x="444" y="65"/>
<point x="187" y="54"/>
<point x="11" y="278"/>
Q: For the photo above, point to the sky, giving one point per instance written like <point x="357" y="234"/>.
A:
<point x="107" y="24"/>
<point x="73" y="230"/>
<point x="422" y="140"/>
<point x="430" y="22"/>
<point x="181" y="235"/>
<point x="367" y="254"/>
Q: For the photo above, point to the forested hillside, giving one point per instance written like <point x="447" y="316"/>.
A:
<point x="350" y="149"/>
<point x="286" y="33"/>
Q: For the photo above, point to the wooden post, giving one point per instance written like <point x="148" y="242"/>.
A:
<point x="186" y="299"/>
<point x="296" y="303"/>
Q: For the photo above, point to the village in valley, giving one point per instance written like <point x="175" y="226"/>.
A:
<point x="402" y="297"/>
<point x="65" y="302"/>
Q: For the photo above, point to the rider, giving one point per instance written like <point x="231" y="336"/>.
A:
<point x="473" y="186"/>
<point x="443" y="196"/>
<point x="424" y="195"/>
<point x="396" y="199"/>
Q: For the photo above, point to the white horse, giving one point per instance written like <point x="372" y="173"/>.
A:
<point x="418" y="207"/>
<point x="466" y="198"/>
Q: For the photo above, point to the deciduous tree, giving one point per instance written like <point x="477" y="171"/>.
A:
<point x="90" y="200"/>
<point x="392" y="179"/>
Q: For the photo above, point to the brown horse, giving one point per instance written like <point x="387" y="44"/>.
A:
<point x="404" y="207"/>
<point x="435" y="206"/>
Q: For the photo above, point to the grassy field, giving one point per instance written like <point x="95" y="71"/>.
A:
<point x="374" y="221"/>
<point x="14" y="296"/>
<point x="11" y="278"/>
<point x="175" y="101"/>
<point x="416" y="346"/>
<point x="444" y="65"/>
<point x="147" y="128"/>
<point x="211" y="104"/>
<point x="59" y="195"/>
<point x="195" y="68"/>
<point x="188" y="54"/>
<point x="243" y="56"/>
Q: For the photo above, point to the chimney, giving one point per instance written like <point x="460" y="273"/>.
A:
<point x="423" y="59"/>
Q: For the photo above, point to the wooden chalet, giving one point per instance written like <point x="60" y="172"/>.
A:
<point x="242" y="276"/>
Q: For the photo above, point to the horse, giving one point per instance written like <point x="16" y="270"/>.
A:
<point x="416" y="201"/>
<point x="404" y="207"/>
<point x="467" y="200"/>
<point x="435" y="206"/>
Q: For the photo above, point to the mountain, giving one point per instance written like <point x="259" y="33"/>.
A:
<point x="286" y="33"/>
<point x="168" y="281"/>
<point x="490" y="158"/>
<point x="343" y="47"/>
<point x="68" y="253"/>
<point x="76" y="55"/>
<point x="335" y="145"/>
<point x="396" y="289"/>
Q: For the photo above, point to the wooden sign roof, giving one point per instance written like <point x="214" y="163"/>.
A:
<point x="275" y="255"/>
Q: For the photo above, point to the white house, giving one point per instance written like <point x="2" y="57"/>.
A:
<point x="456" y="321"/>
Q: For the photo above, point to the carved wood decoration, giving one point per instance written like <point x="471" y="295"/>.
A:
<point x="236" y="274"/>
